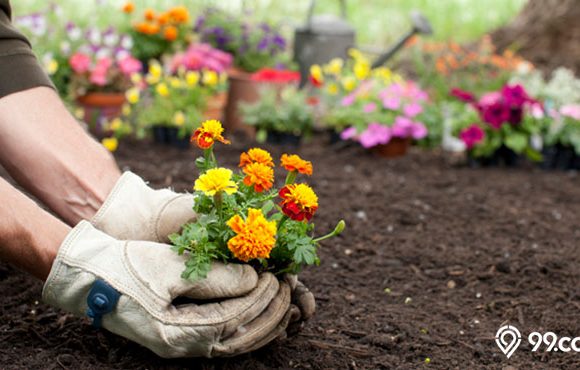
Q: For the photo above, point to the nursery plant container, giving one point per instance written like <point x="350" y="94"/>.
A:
<point x="397" y="147"/>
<point x="99" y="107"/>
<point x="560" y="157"/>
<point x="169" y="136"/>
<point x="242" y="89"/>
<point x="215" y="106"/>
<point x="283" y="138"/>
<point x="503" y="156"/>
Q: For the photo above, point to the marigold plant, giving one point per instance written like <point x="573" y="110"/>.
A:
<point x="242" y="217"/>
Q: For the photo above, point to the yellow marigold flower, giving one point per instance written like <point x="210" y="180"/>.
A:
<point x="295" y="163"/>
<point x="255" y="237"/>
<point x="355" y="54"/>
<point x="256" y="155"/>
<point x="260" y="176"/>
<point x="115" y="124"/>
<point x="192" y="78"/>
<point x="175" y="82"/>
<point x="209" y="132"/>
<point x="51" y="67"/>
<point x="136" y="78"/>
<point x="348" y="83"/>
<point x="79" y="113"/>
<point x="299" y="202"/>
<point x="332" y="88"/>
<point x="361" y="69"/>
<point x="126" y="109"/>
<point x="216" y="180"/>
<point x="334" y="67"/>
<point x="132" y="95"/>
<point x="162" y="89"/>
<point x="111" y="143"/>
<point x="155" y="69"/>
<point x="210" y="78"/>
<point x="316" y="73"/>
<point x="179" y="118"/>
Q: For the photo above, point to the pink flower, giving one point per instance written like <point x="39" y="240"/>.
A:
<point x="472" y="135"/>
<point x="464" y="96"/>
<point x="375" y="134"/>
<point x="349" y="133"/>
<point x="413" y="109"/>
<point x="348" y="100"/>
<point x="418" y="131"/>
<point x="392" y="103"/>
<point x="402" y="127"/>
<point x="99" y="73"/>
<point x="80" y="62"/>
<point x="370" y="107"/>
<point x="129" y="65"/>
<point x="537" y="110"/>
<point x="490" y="98"/>
<point x="571" y="110"/>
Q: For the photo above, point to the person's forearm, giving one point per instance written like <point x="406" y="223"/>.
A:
<point x="29" y="236"/>
<point x="48" y="153"/>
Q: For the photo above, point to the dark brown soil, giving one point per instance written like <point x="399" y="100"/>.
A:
<point x="435" y="259"/>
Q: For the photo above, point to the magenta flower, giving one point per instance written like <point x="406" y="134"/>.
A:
<point x="496" y="114"/>
<point x="79" y="62"/>
<point x="370" y="107"/>
<point x="472" y="135"/>
<point x="464" y="96"/>
<point x="515" y="95"/>
<point x="129" y="65"/>
<point x="402" y="127"/>
<point x="349" y="133"/>
<point x="392" y="103"/>
<point x="418" y="131"/>
<point x="348" y="100"/>
<point x="413" y="109"/>
<point x="375" y="134"/>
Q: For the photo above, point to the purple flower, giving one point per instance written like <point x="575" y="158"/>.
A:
<point x="263" y="44"/>
<point x="375" y="134"/>
<point x="370" y="107"/>
<point x="472" y="135"/>
<point x="462" y="95"/>
<point x="495" y="114"/>
<point x="515" y="95"/>
<point x="279" y="41"/>
<point x="413" y="109"/>
<point x="348" y="133"/>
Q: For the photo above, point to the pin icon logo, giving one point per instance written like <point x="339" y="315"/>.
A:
<point x="508" y="347"/>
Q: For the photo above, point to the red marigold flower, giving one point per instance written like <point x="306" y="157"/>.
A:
<point x="209" y="132"/>
<point x="299" y="202"/>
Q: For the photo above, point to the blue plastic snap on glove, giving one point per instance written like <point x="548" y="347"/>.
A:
<point x="102" y="299"/>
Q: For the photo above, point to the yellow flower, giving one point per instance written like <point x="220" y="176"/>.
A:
<point x="126" y="109"/>
<point x="295" y="163"/>
<point x="260" y="176"/>
<point x="132" y="95"/>
<point x="256" y="155"/>
<point x="216" y="180"/>
<point x="348" y="83"/>
<point x="111" y="143"/>
<point x="162" y="89"/>
<point x="115" y="124"/>
<point x="332" y="88"/>
<point x="175" y="82"/>
<point x="51" y="67"/>
<point x="155" y="70"/>
<point x="209" y="132"/>
<point x="361" y="69"/>
<point x="179" y="118"/>
<point x="299" y="201"/>
<point x="192" y="78"/>
<point x="79" y="113"/>
<point x="316" y="73"/>
<point x="223" y="78"/>
<point x="334" y="67"/>
<point x="210" y="78"/>
<point x="136" y="78"/>
<point x="255" y="237"/>
<point x="355" y="54"/>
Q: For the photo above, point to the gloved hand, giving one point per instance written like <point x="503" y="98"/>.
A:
<point x="236" y="311"/>
<point x="134" y="211"/>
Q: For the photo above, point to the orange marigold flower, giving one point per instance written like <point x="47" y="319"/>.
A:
<point x="153" y="28"/>
<point x="163" y="19"/>
<point x="255" y="237"/>
<point x="129" y="7"/>
<point x="180" y="14"/>
<point x="299" y="202"/>
<point x="142" y="27"/>
<point x="295" y="163"/>
<point x="259" y="175"/>
<point x="209" y="132"/>
<point x="256" y="155"/>
<point x="149" y="14"/>
<point x="170" y="33"/>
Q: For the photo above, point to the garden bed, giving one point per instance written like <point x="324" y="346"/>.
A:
<point x="435" y="258"/>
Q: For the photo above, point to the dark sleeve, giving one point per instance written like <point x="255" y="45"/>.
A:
<point x="19" y="68"/>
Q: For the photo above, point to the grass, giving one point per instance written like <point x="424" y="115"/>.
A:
<point x="378" y="22"/>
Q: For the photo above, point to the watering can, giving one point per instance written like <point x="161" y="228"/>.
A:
<point x="325" y="37"/>
<point x="321" y="39"/>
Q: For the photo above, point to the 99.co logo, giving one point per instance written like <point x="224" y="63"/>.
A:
<point x="508" y="339"/>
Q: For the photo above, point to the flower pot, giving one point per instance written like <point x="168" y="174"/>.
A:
<point x="395" y="148"/>
<point x="560" y="157"/>
<point x="169" y="136"/>
<point x="283" y="138"/>
<point x="503" y="156"/>
<point x="101" y="107"/>
<point x="215" y="106"/>
<point x="241" y="89"/>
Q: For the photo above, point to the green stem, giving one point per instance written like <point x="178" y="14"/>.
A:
<point x="218" y="200"/>
<point x="207" y="156"/>
<point x="291" y="177"/>
<point x="284" y="218"/>
<point x="337" y="230"/>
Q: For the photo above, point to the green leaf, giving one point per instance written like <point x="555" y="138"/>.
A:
<point x="533" y="155"/>
<point x="517" y="142"/>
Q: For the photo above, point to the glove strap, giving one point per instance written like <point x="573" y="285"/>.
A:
<point x="101" y="300"/>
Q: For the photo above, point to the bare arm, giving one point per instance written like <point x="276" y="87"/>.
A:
<point x="47" y="152"/>
<point x="29" y="236"/>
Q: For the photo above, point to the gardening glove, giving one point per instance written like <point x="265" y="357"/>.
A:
<point x="134" y="211"/>
<point x="128" y="288"/>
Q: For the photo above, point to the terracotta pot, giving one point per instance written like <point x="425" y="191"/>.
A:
<point x="395" y="148"/>
<point x="215" y="106"/>
<point x="99" y="107"/>
<point x="242" y="89"/>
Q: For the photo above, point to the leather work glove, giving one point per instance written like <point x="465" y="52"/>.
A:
<point x="134" y="211"/>
<point x="128" y="288"/>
